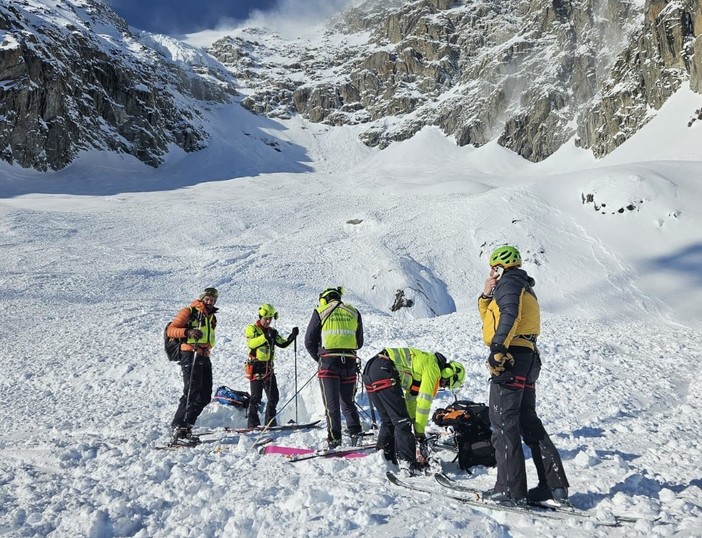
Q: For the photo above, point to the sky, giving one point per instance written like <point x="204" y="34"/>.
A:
<point x="185" y="16"/>
<point x="97" y="258"/>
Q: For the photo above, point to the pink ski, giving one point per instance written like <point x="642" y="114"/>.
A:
<point x="297" y="453"/>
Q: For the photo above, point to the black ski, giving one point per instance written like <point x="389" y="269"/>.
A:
<point x="474" y="498"/>
<point x="333" y="453"/>
<point x="258" y="429"/>
<point x="177" y="446"/>
<point x="570" y="510"/>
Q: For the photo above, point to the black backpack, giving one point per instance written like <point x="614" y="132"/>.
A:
<point x="172" y="345"/>
<point x="471" y="426"/>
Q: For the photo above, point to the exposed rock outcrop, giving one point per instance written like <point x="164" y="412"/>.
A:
<point x="521" y="72"/>
<point x="75" y="78"/>
<point x="662" y="55"/>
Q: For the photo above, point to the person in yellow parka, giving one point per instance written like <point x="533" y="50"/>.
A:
<point x="262" y="340"/>
<point x="402" y="384"/>
<point x="511" y="325"/>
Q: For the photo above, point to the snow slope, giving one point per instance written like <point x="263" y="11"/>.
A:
<point x="97" y="258"/>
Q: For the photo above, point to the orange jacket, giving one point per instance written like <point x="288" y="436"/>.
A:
<point x="184" y="321"/>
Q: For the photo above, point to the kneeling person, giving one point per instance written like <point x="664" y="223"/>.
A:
<point x="401" y="384"/>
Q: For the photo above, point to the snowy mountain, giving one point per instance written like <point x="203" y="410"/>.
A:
<point x="75" y="77"/>
<point x="529" y="74"/>
<point x="96" y="257"/>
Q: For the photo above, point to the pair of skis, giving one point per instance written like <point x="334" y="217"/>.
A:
<point x="281" y="427"/>
<point x="239" y="431"/>
<point x="451" y="489"/>
<point x="295" y="454"/>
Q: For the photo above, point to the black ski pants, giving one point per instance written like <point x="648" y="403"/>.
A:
<point x="395" y="437"/>
<point x="337" y="379"/>
<point x="197" y="389"/>
<point x="513" y="417"/>
<point x="264" y="380"/>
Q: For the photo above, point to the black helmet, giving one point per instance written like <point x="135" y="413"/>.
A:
<point x="212" y="292"/>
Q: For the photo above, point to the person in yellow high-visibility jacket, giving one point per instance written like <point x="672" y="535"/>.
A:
<point x="402" y="384"/>
<point x="195" y="326"/>
<point x="333" y="335"/>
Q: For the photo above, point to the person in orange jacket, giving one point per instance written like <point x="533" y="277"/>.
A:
<point x="195" y="326"/>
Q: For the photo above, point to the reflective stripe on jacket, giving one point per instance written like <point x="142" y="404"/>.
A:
<point x="258" y="343"/>
<point x="339" y="324"/>
<point x="417" y="367"/>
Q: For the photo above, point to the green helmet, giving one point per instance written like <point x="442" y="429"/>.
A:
<point x="331" y="294"/>
<point x="212" y="292"/>
<point x="455" y="373"/>
<point x="267" y="311"/>
<point x="505" y="256"/>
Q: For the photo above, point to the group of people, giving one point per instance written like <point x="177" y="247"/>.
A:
<point x="401" y="382"/>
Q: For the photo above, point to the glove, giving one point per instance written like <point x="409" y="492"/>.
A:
<point x="271" y="337"/>
<point x="497" y="348"/>
<point x="498" y="362"/>
<point x="295" y="331"/>
<point x="422" y="449"/>
<point x="194" y="334"/>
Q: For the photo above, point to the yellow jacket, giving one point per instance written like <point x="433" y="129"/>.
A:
<point x="419" y="377"/>
<point x="513" y="311"/>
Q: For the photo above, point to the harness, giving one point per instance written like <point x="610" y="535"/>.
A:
<point x="381" y="384"/>
<point x="525" y="340"/>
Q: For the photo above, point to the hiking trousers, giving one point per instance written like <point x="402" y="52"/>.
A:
<point x="337" y="380"/>
<point x="197" y="380"/>
<point x="266" y="382"/>
<point x="513" y="417"/>
<point x="395" y="437"/>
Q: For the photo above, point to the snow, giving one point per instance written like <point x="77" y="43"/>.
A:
<point x="98" y="257"/>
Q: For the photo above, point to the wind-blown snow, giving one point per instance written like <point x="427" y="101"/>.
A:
<point x="98" y="257"/>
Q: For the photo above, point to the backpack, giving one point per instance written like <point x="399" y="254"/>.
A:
<point x="235" y="398"/>
<point x="171" y="345"/>
<point x="471" y="426"/>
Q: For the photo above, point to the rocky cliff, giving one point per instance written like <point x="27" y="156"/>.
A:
<point x="665" y="52"/>
<point x="529" y="73"/>
<point x="74" y="77"/>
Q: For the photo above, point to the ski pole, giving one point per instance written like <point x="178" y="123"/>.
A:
<point x="296" y="391"/>
<point x="374" y="424"/>
<point x="192" y="366"/>
<point x="265" y="428"/>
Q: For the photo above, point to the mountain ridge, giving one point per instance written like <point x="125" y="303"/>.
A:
<point x="531" y="75"/>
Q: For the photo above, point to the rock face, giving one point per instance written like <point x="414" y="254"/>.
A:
<point x="529" y="73"/>
<point x="74" y="78"/>
<point x="663" y="54"/>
